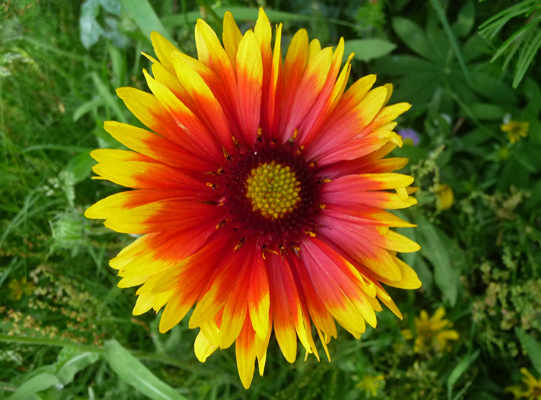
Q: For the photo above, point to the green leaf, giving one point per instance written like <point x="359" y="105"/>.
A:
<point x="105" y="94"/>
<point x="533" y="94"/>
<point x="85" y="108"/>
<point x="70" y="361"/>
<point x="145" y="18"/>
<point x="474" y="138"/>
<point x="532" y="348"/>
<point x="525" y="58"/>
<point x="414" y="37"/>
<point x="457" y="372"/>
<point x="89" y="29"/>
<point x="433" y="249"/>
<point x="443" y="19"/>
<point x="413" y="154"/>
<point x="487" y="111"/>
<point x="474" y="47"/>
<point x="368" y="49"/>
<point x="513" y="173"/>
<point x="133" y="372"/>
<point x="465" y="20"/>
<point x="34" y="385"/>
<point x="247" y="14"/>
<point x="528" y="156"/>
<point x="535" y="199"/>
<point x="81" y="166"/>
<point x="425" y="274"/>
<point x="492" y="88"/>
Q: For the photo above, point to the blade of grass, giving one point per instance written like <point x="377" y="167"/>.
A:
<point x="134" y="373"/>
<point x="104" y="93"/>
<point x="145" y="18"/>
<point x="212" y="14"/>
<point x="457" y="372"/>
<point x="59" y="147"/>
<point x="532" y="347"/>
<point x="36" y="341"/>
<point x="34" y="385"/>
<point x="443" y="19"/>
<point x="509" y="41"/>
<point x="526" y="58"/>
<point x="62" y="53"/>
<point x="490" y="27"/>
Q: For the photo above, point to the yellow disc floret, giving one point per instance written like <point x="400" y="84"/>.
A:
<point x="273" y="190"/>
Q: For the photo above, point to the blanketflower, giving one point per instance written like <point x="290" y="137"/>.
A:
<point x="431" y="332"/>
<point x="515" y="130"/>
<point x="260" y="194"/>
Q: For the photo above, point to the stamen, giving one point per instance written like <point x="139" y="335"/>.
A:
<point x="239" y="244"/>
<point x="292" y="140"/>
<point x="221" y="224"/>
<point x="309" y="233"/>
<point x="226" y="154"/>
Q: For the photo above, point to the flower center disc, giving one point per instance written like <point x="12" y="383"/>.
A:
<point x="273" y="190"/>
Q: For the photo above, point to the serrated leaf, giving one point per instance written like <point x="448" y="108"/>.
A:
<point x="134" y="373"/>
<point x="34" y="385"/>
<point x="532" y="348"/>
<point x="368" y="49"/>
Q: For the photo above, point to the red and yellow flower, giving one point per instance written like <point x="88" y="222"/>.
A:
<point x="260" y="193"/>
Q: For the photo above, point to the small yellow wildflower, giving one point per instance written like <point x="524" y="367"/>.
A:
<point x="533" y="387"/>
<point x="445" y="196"/>
<point x="17" y="288"/>
<point x="430" y="331"/>
<point x="371" y="384"/>
<point x="515" y="130"/>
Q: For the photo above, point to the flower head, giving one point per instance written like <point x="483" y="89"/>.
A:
<point x="371" y="384"/>
<point x="533" y="387"/>
<point x="515" y="130"/>
<point x="260" y="194"/>
<point x="431" y="332"/>
<point x="409" y="137"/>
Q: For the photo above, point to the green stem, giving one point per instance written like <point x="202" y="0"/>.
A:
<point x="213" y="15"/>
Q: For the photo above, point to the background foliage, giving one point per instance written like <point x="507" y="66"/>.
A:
<point x="66" y="330"/>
